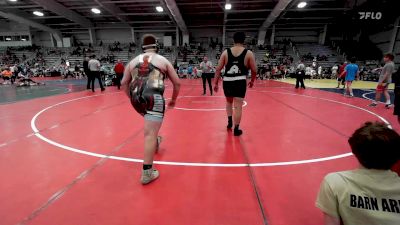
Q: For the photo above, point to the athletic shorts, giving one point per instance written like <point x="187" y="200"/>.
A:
<point x="342" y="80"/>
<point x="148" y="103"/>
<point x="235" y="89"/>
<point x="382" y="88"/>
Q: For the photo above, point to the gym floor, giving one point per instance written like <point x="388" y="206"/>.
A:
<point x="75" y="158"/>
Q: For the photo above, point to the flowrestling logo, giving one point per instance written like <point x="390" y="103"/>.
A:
<point x="370" y="15"/>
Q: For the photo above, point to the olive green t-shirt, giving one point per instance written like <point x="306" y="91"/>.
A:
<point x="361" y="197"/>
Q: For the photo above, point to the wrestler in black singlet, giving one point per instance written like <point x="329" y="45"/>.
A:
<point x="147" y="89"/>
<point x="235" y="75"/>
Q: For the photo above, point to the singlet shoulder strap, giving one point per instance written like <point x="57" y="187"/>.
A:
<point x="243" y="54"/>
<point x="229" y="51"/>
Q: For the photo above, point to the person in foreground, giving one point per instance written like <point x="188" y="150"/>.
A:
<point x="368" y="195"/>
<point x="237" y="62"/>
<point x="143" y="82"/>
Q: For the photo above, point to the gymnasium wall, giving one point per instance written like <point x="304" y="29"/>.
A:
<point x="112" y="35"/>
<point x="14" y="29"/>
<point x="310" y="36"/>
<point x="41" y="38"/>
<point x="382" y="41"/>
<point x="203" y="35"/>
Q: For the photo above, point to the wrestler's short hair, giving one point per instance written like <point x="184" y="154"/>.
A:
<point x="389" y="56"/>
<point x="149" y="39"/>
<point x="239" y="37"/>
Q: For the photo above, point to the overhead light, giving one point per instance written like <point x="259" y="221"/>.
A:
<point x="159" y="9"/>
<point x="301" y="5"/>
<point x="8" y="39"/>
<point x="37" y="13"/>
<point x="23" y="39"/>
<point x="228" y="6"/>
<point x="12" y="0"/>
<point x="96" y="11"/>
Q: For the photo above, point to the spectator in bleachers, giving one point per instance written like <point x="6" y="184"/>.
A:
<point x="6" y="75"/>
<point x="370" y="194"/>
<point x="14" y="71"/>
<point x="190" y="71"/>
<point x="335" y="70"/>
<point x="119" y="71"/>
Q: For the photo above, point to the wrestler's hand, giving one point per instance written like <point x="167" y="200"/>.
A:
<point x="251" y="84"/>
<point x="172" y="103"/>
<point x="216" y="88"/>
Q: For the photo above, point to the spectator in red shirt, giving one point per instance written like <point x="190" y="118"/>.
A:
<point x="342" y="77"/>
<point x="119" y="71"/>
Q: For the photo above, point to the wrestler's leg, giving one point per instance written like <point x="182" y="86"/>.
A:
<point x="237" y="105"/>
<point x="151" y="129"/>
<point x="229" y="111"/>
<point x="152" y="126"/>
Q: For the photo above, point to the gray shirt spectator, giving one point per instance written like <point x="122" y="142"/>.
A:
<point x="389" y="70"/>
<point x="94" y="65"/>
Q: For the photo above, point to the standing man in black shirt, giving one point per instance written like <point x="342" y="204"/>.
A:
<point x="87" y="72"/>
<point x="237" y="62"/>
<point x="300" y="74"/>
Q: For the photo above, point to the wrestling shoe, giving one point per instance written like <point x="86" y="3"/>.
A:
<point x="388" y="106"/>
<point x="373" y="104"/>
<point x="149" y="175"/>
<point x="237" y="132"/>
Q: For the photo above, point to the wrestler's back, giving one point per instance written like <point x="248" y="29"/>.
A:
<point x="153" y="78"/>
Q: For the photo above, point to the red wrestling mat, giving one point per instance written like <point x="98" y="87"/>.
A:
<point x="75" y="158"/>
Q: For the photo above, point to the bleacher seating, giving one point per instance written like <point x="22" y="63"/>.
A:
<point x="316" y="49"/>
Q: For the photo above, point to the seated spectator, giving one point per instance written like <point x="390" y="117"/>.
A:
<point x="6" y="74"/>
<point x="370" y="194"/>
<point x="190" y="71"/>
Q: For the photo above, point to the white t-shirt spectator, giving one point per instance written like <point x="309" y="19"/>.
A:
<point x="335" y="69"/>
<point x="206" y="67"/>
<point x="94" y="65"/>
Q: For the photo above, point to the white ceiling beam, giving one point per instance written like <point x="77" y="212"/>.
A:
<point x="21" y="17"/>
<point x="61" y="10"/>
<point x="113" y="9"/>
<point x="176" y="14"/>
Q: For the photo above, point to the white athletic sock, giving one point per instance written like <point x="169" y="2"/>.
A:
<point x="388" y="102"/>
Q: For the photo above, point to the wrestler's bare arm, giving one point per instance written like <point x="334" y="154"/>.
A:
<point x="176" y="83"/>
<point x="126" y="80"/>
<point x="253" y="67"/>
<point x="221" y="65"/>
